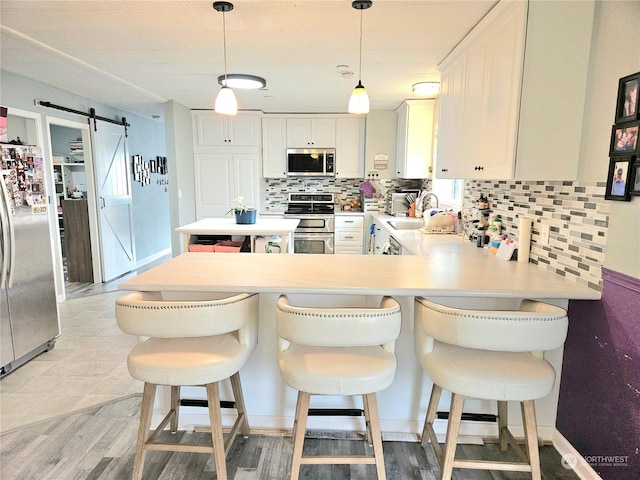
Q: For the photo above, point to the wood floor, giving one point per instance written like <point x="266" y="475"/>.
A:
<point x="98" y="444"/>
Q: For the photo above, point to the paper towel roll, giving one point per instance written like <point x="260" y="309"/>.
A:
<point x="524" y="239"/>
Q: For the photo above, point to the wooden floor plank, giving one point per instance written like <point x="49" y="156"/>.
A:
<point x="98" y="444"/>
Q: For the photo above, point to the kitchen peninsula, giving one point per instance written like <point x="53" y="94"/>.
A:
<point x="452" y="272"/>
<point x="227" y="226"/>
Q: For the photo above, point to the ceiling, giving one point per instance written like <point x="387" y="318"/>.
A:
<point x="136" y="55"/>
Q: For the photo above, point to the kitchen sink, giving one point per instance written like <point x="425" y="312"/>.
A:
<point x="406" y="224"/>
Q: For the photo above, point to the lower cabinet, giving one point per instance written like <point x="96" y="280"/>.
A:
<point x="349" y="234"/>
<point x="382" y="238"/>
<point x="222" y="177"/>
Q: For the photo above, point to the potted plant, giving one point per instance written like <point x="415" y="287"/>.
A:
<point x="244" y="214"/>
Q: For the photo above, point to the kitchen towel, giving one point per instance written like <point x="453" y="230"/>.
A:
<point x="524" y="239"/>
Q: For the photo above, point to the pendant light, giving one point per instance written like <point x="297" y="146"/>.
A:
<point x="359" y="101"/>
<point x="226" y="102"/>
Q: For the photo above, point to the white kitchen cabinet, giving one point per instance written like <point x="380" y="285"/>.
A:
<point x="349" y="234"/>
<point x="517" y="113"/>
<point x="382" y="237"/>
<point x="274" y="147"/>
<point x="350" y="136"/>
<point x="221" y="177"/>
<point x="213" y="130"/>
<point x="311" y="133"/>
<point x="448" y="164"/>
<point x="414" y="153"/>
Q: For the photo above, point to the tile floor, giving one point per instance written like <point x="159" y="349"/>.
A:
<point x="87" y="366"/>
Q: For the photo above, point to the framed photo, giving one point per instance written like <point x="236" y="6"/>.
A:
<point x="624" y="139"/>
<point x="627" y="107"/>
<point x="634" y="185"/>
<point x="619" y="178"/>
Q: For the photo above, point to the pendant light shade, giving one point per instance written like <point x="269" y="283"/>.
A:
<point x="226" y="102"/>
<point x="359" y="101"/>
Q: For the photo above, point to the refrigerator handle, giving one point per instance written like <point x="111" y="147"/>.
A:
<point x="7" y="234"/>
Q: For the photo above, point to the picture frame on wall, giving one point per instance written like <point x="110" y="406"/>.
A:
<point x="624" y="139"/>
<point x="634" y="184"/>
<point x="619" y="178"/>
<point x="627" y="107"/>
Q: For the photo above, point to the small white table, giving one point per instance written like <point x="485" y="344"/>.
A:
<point x="227" y="226"/>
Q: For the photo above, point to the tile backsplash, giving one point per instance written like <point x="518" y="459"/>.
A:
<point x="577" y="213"/>
<point x="275" y="190"/>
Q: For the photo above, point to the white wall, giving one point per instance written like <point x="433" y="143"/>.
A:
<point x="381" y="139"/>
<point x="181" y="170"/>
<point x="615" y="53"/>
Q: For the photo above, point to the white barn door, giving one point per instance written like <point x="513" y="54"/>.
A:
<point x="113" y="185"/>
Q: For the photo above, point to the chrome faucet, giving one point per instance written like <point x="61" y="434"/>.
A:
<point x="434" y="196"/>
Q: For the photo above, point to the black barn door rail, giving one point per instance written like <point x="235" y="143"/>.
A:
<point x="91" y="114"/>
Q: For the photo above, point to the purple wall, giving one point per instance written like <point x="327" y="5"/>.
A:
<point x="599" y="406"/>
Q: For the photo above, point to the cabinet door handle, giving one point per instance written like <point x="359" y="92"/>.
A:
<point x="102" y="202"/>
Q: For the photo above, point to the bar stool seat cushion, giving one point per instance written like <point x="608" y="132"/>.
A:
<point x="187" y="361"/>
<point x="485" y="374"/>
<point x="353" y="370"/>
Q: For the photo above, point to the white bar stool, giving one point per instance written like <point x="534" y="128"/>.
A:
<point x="492" y="355"/>
<point x="338" y="351"/>
<point x="199" y="341"/>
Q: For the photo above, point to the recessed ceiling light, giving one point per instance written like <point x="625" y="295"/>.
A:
<point x="241" y="80"/>
<point x="426" y="88"/>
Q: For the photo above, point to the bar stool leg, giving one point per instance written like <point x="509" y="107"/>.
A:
<point x="175" y="408"/>
<point x="213" y="397"/>
<point x="376" y="434"/>
<point x="295" y="420"/>
<point x="531" y="435"/>
<point x="453" y="427"/>
<point x="146" y="412"/>
<point x="432" y="411"/>
<point x="503" y="424"/>
<point x="300" y="423"/>
<point x="239" y="399"/>
<point x="367" y="423"/>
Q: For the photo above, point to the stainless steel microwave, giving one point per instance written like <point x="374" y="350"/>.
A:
<point x="311" y="162"/>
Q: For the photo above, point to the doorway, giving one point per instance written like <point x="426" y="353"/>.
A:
<point x="78" y="261"/>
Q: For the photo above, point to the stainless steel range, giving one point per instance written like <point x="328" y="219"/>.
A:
<point x="316" y="228"/>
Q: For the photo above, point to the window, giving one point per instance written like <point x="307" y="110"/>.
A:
<point x="449" y="192"/>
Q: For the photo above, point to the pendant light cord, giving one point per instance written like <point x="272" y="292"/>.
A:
<point x="360" y="65"/>
<point x="224" y="44"/>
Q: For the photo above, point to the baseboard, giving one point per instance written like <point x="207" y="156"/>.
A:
<point x="152" y="258"/>
<point x="572" y="459"/>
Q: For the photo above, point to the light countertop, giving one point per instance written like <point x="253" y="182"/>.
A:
<point x="414" y="242"/>
<point x="228" y="225"/>
<point x="453" y="268"/>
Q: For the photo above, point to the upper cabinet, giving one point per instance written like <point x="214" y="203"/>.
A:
<point x="414" y="152"/>
<point x="311" y="133"/>
<point x="344" y="133"/>
<point x="274" y="147"/>
<point x="513" y="94"/>
<point x="350" y="136"/>
<point x="214" y="130"/>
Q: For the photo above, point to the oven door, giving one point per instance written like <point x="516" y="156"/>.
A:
<point x="318" y="243"/>
<point x="313" y="223"/>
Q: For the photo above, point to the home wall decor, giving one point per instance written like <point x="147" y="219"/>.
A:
<point x="142" y="170"/>
<point x="623" y="175"/>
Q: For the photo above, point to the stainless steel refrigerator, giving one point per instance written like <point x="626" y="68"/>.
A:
<point x="28" y="305"/>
